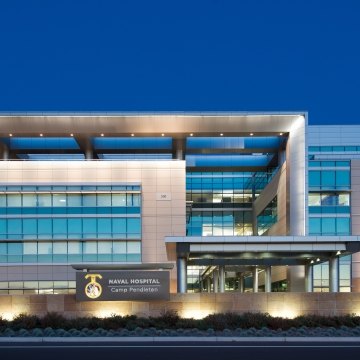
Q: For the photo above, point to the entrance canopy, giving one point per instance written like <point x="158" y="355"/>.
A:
<point x="259" y="250"/>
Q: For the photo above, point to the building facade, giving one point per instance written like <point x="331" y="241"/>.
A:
<point x="225" y="202"/>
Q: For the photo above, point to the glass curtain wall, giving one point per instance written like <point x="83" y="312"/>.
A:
<point x="64" y="224"/>
<point x="329" y="212"/>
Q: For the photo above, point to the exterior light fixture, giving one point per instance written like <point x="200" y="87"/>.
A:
<point x="132" y="134"/>
<point x="162" y="134"/>
<point x="191" y="134"/>
<point x="71" y="134"/>
<point x="251" y="134"/>
<point x="41" y="135"/>
<point x="102" y="134"/>
<point x="10" y="135"/>
<point x="312" y="261"/>
<point x="221" y="134"/>
<point x="281" y="134"/>
<point x="318" y="259"/>
<point x="338" y="252"/>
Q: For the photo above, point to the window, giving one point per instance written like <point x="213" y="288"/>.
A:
<point x="74" y="228"/>
<point x="60" y="228"/>
<point x="44" y="200"/>
<point x="59" y="200"/>
<point x="268" y="217"/>
<point x="119" y="199"/>
<point x="329" y="179"/>
<point x="104" y="227"/>
<point x="29" y="200"/>
<point x="74" y="200"/>
<point x="29" y="228"/>
<point x="104" y="199"/>
<point x="314" y="178"/>
<point x="30" y="252"/>
<point x="14" y="200"/>
<point x="329" y="226"/>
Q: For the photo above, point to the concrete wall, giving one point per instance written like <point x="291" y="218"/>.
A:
<point x="296" y="167"/>
<point x="159" y="218"/>
<point x="189" y="305"/>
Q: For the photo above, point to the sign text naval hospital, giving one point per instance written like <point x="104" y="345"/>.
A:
<point x="122" y="285"/>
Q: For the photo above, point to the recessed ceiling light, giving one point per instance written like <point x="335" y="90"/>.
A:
<point x="132" y="134"/>
<point x="41" y="134"/>
<point x="251" y="134"/>
<point x="102" y="134"/>
<point x="221" y="134"/>
<point x="10" y="135"/>
<point x="191" y="134"/>
<point x="162" y="134"/>
<point x="71" y="134"/>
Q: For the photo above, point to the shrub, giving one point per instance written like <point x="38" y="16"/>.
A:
<point x="170" y="320"/>
<point x="53" y="320"/>
<point x="167" y="320"/>
<point x="24" y="321"/>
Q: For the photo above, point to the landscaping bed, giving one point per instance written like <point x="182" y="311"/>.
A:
<point x="170" y="324"/>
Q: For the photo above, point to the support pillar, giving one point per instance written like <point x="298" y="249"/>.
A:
<point x="4" y="152"/>
<point x="309" y="278"/>
<point x="215" y="281"/>
<point x="86" y="147"/>
<point x="89" y="154"/>
<point x="179" y="149"/>
<point x="222" y="279"/>
<point x="268" y="279"/>
<point x="208" y="284"/>
<point x="181" y="275"/>
<point x="334" y="274"/>
<point x="255" y="280"/>
<point x="241" y="282"/>
<point x="89" y="151"/>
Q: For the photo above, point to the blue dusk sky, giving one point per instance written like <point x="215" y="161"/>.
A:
<point x="182" y="56"/>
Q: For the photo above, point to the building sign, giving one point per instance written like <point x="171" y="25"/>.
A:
<point x="163" y="196"/>
<point x="122" y="285"/>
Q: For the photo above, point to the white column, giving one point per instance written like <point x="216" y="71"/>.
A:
<point x="222" y="279"/>
<point x="255" y="280"/>
<point x="268" y="279"/>
<point x="181" y="275"/>
<point x="215" y="280"/>
<point x="334" y="274"/>
<point x="241" y="282"/>
<point x="208" y="284"/>
<point x="309" y="278"/>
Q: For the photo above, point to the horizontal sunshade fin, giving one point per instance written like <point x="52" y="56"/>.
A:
<point x="228" y="160"/>
<point x="32" y="143"/>
<point x="101" y="143"/>
<point x="233" y="142"/>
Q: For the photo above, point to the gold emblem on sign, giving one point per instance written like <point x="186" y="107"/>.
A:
<point x="93" y="289"/>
